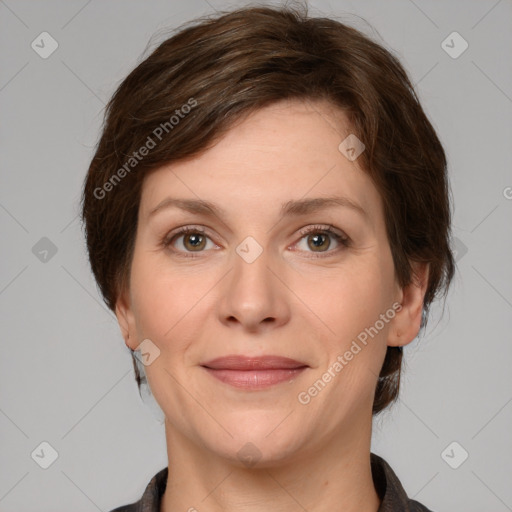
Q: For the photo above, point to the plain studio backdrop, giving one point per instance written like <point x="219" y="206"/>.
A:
<point x="66" y="380"/>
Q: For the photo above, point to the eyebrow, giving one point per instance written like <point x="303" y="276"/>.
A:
<point x="290" y="208"/>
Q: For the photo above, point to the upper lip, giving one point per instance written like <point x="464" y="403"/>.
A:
<point x="269" y="362"/>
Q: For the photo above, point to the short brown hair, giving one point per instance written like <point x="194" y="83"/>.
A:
<point x="225" y="67"/>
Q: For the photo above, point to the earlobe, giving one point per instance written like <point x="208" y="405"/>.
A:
<point x="407" y="321"/>
<point x="125" y="320"/>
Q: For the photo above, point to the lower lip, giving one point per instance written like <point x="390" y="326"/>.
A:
<point x="255" y="379"/>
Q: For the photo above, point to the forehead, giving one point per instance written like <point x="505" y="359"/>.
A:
<point x="286" y="151"/>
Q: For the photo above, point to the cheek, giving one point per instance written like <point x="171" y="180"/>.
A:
<point x="350" y="301"/>
<point x="165" y="301"/>
<point x="349" y="298"/>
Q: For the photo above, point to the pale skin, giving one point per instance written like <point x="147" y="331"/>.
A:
<point x="296" y="299"/>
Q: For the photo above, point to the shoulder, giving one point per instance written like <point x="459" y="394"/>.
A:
<point x="391" y="492"/>
<point x="134" y="507"/>
<point x="152" y="496"/>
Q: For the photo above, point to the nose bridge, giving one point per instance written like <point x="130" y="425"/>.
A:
<point x="252" y="294"/>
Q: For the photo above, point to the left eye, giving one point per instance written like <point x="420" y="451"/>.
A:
<point x="319" y="240"/>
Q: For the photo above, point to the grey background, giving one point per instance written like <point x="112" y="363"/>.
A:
<point x="65" y="374"/>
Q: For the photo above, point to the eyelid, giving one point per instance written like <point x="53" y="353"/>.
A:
<point x="169" y="239"/>
<point x="329" y="228"/>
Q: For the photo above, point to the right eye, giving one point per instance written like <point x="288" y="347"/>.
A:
<point x="188" y="239"/>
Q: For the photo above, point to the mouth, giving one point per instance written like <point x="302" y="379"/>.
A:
<point x="254" y="372"/>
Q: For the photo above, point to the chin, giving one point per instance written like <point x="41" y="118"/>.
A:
<point x="260" y="439"/>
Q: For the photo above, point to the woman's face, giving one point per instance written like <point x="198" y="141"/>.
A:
<point x="258" y="275"/>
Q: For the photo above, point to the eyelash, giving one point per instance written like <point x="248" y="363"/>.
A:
<point x="317" y="229"/>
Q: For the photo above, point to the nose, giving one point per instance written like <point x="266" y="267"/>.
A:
<point x="253" y="298"/>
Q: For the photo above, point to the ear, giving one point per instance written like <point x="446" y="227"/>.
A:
<point x="126" y="320"/>
<point x="407" y="321"/>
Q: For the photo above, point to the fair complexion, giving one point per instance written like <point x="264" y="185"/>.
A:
<point x="307" y="296"/>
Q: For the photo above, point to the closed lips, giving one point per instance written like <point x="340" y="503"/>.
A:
<point x="243" y="363"/>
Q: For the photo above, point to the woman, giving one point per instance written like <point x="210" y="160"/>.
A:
<point x="267" y="213"/>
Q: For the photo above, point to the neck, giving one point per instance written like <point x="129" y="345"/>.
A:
<point x="335" y="476"/>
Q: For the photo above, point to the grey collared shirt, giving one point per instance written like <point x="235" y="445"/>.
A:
<point x="391" y="493"/>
